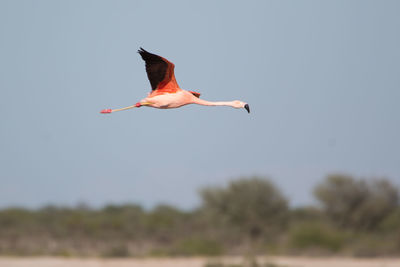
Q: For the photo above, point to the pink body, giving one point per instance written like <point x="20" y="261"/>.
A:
<point x="181" y="98"/>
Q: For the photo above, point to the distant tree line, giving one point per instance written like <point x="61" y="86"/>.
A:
<point x="357" y="217"/>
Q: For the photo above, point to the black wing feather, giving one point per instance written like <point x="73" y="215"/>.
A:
<point x="156" y="67"/>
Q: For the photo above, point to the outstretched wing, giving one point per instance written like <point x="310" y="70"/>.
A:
<point x="159" y="71"/>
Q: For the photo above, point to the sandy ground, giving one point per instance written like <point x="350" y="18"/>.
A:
<point x="194" y="262"/>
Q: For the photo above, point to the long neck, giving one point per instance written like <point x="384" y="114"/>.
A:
<point x="211" y="103"/>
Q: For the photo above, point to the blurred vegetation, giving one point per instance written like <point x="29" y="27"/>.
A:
<point x="354" y="217"/>
<point x="357" y="204"/>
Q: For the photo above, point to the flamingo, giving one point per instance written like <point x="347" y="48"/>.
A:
<point x="166" y="92"/>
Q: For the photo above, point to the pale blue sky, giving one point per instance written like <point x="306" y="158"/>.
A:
<point x="322" y="79"/>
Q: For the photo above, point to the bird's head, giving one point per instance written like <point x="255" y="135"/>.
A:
<point x="240" y="104"/>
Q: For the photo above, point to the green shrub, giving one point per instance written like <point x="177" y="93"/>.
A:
<point x="357" y="204"/>
<point x="316" y="235"/>
<point x="391" y="223"/>
<point x="253" y="205"/>
<point x="118" y="251"/>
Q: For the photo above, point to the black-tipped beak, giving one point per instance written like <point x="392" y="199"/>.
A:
<point x="247" y="108"/>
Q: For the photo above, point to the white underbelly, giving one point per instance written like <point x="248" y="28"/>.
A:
<point x="173" y="100"/>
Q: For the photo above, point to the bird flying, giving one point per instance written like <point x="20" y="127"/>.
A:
<point x="165" y="90"/>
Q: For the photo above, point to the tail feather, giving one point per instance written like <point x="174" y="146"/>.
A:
<point x="195" y="94"/>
